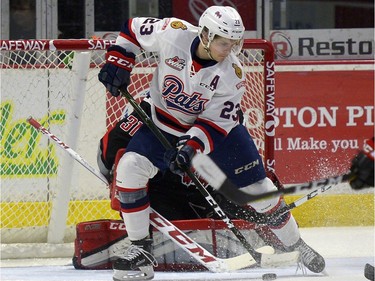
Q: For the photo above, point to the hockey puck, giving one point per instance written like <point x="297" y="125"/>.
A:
<point x="269" y="276"/>
<point x="369" y="271"/>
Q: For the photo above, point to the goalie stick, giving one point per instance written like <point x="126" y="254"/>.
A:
<point x="208" y="169"/>
<point x="200" y="254"/>
<point x="151" y="125"/>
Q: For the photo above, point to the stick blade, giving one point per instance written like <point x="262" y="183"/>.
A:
<point x="280" y="260"/>
<point x="208" y="169"/>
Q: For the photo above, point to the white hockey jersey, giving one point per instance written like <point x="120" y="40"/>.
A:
<point x="188" y="98"/>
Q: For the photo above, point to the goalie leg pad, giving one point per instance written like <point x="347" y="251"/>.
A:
<point x="98" y="243"/>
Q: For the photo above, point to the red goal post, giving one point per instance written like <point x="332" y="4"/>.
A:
<point x="44" y="194"/>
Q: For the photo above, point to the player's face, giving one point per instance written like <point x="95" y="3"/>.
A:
<point x="221" y="47"/>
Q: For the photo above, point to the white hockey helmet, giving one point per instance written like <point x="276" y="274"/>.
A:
<point x="224" y="21"/>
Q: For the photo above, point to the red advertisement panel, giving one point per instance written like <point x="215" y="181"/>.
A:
<point x="323" y="119"/>
<point x="191" y="10"/>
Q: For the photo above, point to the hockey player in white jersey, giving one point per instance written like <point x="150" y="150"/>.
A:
<point x="196" y="92"/>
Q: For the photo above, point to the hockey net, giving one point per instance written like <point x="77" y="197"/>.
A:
<point x="44" y="193"/>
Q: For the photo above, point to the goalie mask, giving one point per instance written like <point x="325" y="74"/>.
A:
<point x="222" y="21"/>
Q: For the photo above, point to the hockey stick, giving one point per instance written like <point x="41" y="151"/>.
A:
<point x="213" y="263"/>
<point x="260" y="218"/>
<point x="204" y="257"/>
<point x="208" y="169"/>
<point x="148" y="121"/>
<point x="71" y="152"/>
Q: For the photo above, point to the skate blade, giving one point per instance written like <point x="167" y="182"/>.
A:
<point x="144" y="273"/>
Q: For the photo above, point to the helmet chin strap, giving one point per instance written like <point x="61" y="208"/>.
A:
<point x="207" y="49"/>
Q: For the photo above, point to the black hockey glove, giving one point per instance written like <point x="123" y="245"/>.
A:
<point x="115" y="74"/>
<point x="362" y="169"/>
<point x="179" y="159"/>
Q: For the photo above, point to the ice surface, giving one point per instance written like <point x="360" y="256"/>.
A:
<point x="346" y="249"/>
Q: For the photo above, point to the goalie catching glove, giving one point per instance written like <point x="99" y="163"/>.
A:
<point x="362" y="169"/>
<point x="179" y="159"/>
<point x="115" y="74"/>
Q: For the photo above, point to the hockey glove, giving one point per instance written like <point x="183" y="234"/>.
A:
<point x="362" y="169"/>
<point x="115" y="74"/>
<point x="179" y="159"/>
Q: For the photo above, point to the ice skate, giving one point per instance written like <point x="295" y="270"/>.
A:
<point x="310" y="258"/>
<point x="137" y="264"/>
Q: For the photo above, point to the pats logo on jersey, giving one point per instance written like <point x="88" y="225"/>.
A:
<point x="177" y="99"/>
<point x="175" y="63"/>
<point x="178" y="24"/>
<point x="237" y="70"/>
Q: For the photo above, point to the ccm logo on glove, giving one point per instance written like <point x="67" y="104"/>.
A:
<point x="115" y="74"/>
<point x="121" y="62"/>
